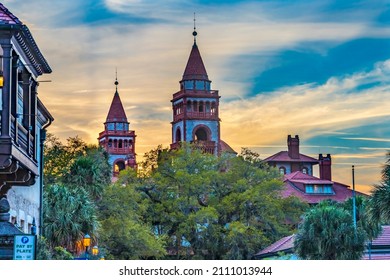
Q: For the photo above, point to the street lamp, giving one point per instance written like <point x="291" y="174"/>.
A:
<point x="86" y="243"/>
<point x="95" y="250"/>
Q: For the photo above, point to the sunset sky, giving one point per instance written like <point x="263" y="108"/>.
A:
<point x="317" y="69"/>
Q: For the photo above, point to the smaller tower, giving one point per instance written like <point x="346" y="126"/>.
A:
<point x="117" y="139"/>
<point x="196" y="107"/>
<point x="293" y="146"/>
<point x="325" y="167"/>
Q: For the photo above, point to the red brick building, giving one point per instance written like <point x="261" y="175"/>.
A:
<point x="299" y="180"/>
<point x="117" y="139"/>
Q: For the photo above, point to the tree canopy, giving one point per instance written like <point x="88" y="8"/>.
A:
<point x="379" y="210"/>
<point x="75" y="176"/>
<point x="328" y="233"/>
<point x="199" y="206"/>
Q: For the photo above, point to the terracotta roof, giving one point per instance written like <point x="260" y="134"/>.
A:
<point x="294" y="185"/>
<point x="284" y="244"/>
<point x="384" y="238"/>
<point x="116" y="112"/>
<point x="226" y="148"/>
<point x="195" y="68"/>
<point x="6" y="17"/>
<point x="284" y="157"/>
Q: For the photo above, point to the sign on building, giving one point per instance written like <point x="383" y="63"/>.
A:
<point x="24" y="247"/>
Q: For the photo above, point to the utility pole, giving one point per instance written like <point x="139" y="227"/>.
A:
<point x="354" y="198"/>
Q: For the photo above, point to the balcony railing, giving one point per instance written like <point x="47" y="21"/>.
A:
<point x="196" y="115"/>
<point x="120" y="151"/>
<point x="117" y="132"/>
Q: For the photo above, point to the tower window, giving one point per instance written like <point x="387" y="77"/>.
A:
<point x="189" y="85"/>
<point x="201" y="134"/>
<point x="199" y="85"/>
<point x="119" y="166"/>
<point x="178" y="135"/>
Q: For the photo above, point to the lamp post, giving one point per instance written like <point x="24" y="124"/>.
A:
<point x="95" y="250"/>
<point x="86" y="243"/>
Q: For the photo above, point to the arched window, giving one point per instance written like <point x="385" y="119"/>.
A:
<point x="119" y="166"/>
<point x="282" y="170"/>
<point x="201" y="106"/>
<point x="110" y="143"/>
<point x="305" y="170"/>
<point x="115" y="143"/>
<point x="178" y="135"/>
<point x="201" y="134"/>
<point x="195" y="103"/>
<point x="120" y="144"/>
<point x="189" y="106"/>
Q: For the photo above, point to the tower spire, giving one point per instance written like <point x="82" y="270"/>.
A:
<point x="116" y="80"/>
<point x="194" y="33"/>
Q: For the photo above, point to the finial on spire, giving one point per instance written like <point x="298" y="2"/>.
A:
<point x="194" y="33"/>
<point x="116" y="80"/>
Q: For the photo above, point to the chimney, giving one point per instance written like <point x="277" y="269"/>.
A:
<point x="325" y="167"/>
<point x="293" y="146"/>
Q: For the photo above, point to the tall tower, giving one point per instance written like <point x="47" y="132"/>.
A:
<point x="116" y="138"/>
<point x="195" y="107"/>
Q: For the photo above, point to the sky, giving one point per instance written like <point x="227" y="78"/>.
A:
<point x="317" y="69"/>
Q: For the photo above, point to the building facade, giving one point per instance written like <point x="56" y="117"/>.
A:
<point x="196" y="107"/>
<point x="297" y="170"/>
<point x="23" y="124"/>
<point x="117" y="138"/>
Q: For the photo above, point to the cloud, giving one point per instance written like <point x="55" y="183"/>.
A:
<point x="84" y="41"/>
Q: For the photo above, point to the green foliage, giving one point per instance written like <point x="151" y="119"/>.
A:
<point x="58" y="157"/>
<point x="43" y="249"/>
<point x="60" y="253"/>
<point x="75" y="176"/>
<point x="69" y="213"/>
<point x="91" y="172"/>
<point x="122" y="232"/>
<point x="202" y="206"/>
<point x="327" y="233"/>
<point x="379" y="210"/>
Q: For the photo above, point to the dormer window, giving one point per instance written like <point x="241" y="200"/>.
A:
<point x="304" y="170"/>
<point x="318" y="189"/>
<point x="282" y="170"/>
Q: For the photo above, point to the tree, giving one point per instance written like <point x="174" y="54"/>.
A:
<point x="122" y="232"/>
<point x="379" y="210"/>
<point x="69" y="213"/>
<point x="327" y="233"/>
<point x="91" y="171"/>
<point x="75" y="175"/>
<point x="206" y="207"/>
<point x="58" y="157"/>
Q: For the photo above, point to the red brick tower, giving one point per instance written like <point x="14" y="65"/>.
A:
<point x="116" y="138"/>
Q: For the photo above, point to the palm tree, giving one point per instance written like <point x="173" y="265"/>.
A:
<point x="68" y="215"/>
<point x="327" y="233"/>
<point x="379" y="210"/>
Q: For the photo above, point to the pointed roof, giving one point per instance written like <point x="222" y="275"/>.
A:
<point x="23" y="36"/>
<point x="6" y="17"/>
<point x="116" y="112"/>
<point x="283" y="156"/>
<point x="195" y="68"/>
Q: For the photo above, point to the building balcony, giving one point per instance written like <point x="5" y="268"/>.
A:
<point x="120" y="151"/>
<point x="196" y="115"/>
<point x="117" y="133"/>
